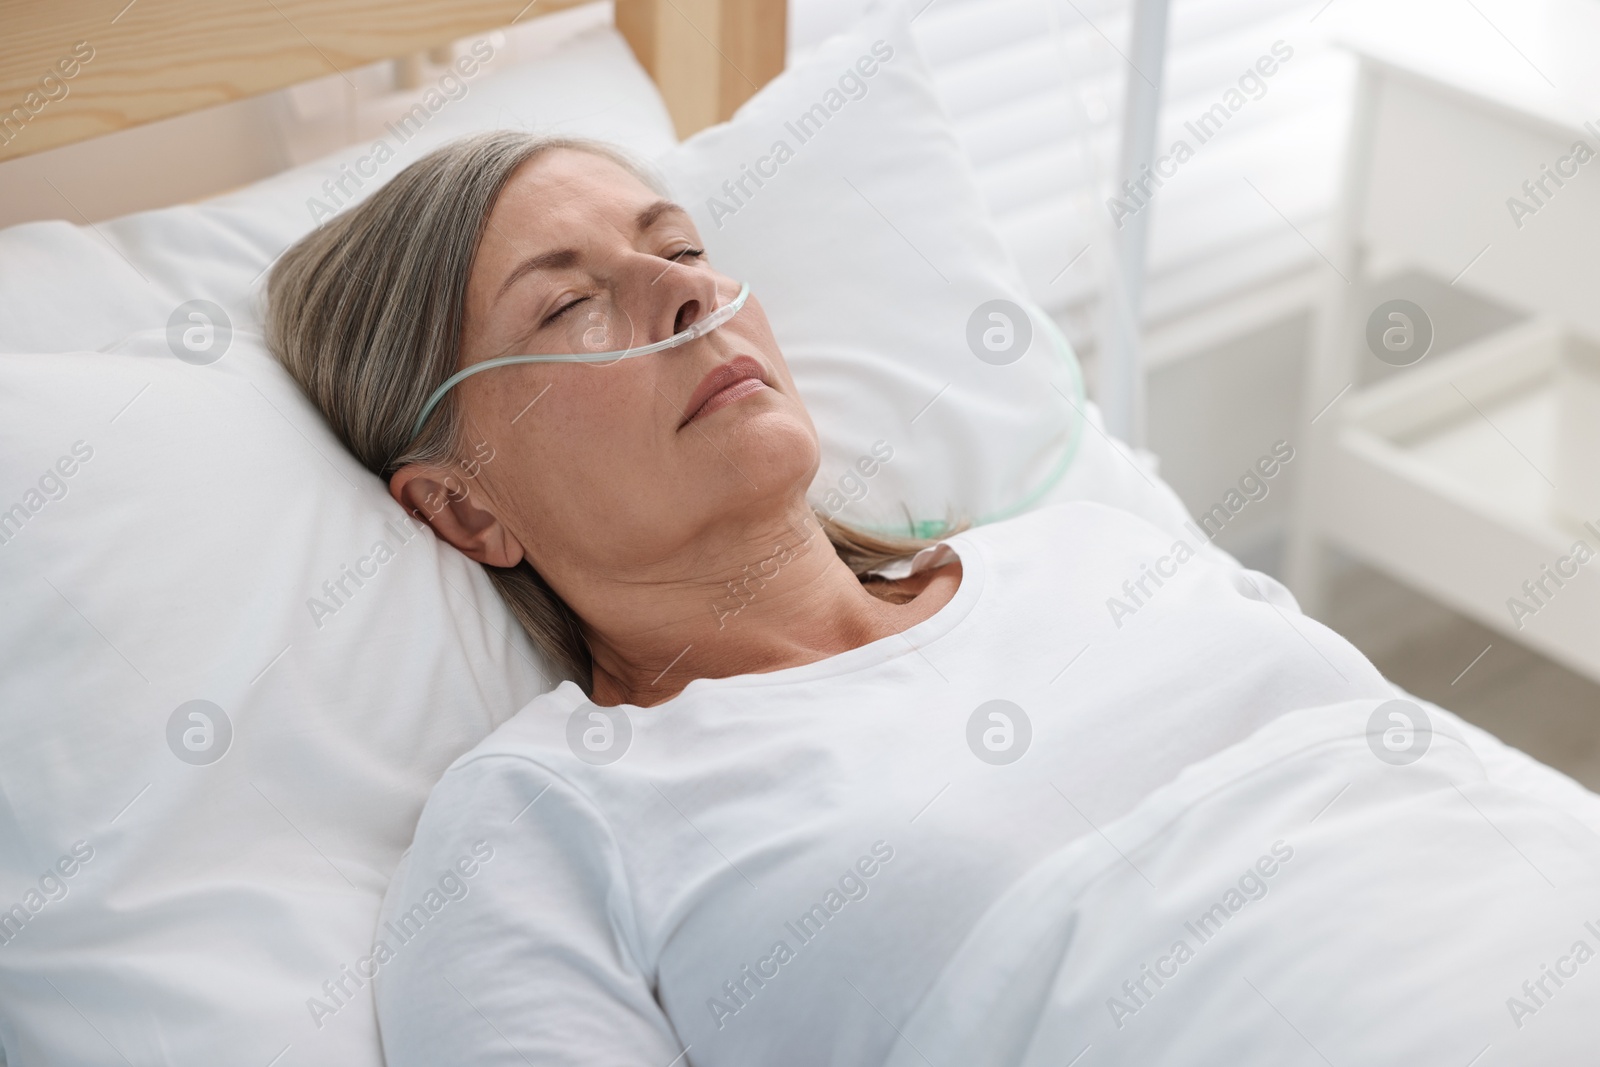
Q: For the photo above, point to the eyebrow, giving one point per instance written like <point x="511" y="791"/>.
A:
<point x="565" y="258"/>
<point x="649" y="216"/>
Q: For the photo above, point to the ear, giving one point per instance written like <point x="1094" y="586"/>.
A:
<point x="456" y="509"/>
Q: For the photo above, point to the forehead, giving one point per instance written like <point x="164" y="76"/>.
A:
<point x="554" y="210"/>
<point x="566" y="182"/>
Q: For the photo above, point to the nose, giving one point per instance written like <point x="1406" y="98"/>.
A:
<point x="677" y="297"/>
<point x="688" y="313"/>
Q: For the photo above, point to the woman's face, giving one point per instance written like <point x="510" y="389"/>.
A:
<point x="617" y="465"/>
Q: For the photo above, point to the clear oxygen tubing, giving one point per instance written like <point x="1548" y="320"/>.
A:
<point x="695" y="331"/>
<point x="1072" y="432"/>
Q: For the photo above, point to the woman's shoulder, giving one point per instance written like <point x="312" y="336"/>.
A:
<point x="521" y="781"/>
<point x="535" y="745"/>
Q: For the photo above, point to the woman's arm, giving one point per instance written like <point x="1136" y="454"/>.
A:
<point x="510" y="932"/>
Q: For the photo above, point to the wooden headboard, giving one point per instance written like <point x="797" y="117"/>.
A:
<point x="153" y="59"/>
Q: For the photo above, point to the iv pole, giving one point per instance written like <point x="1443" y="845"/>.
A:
<point x="1121" y="384"/>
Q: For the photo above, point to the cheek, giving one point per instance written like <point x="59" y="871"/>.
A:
<point x="592" y="443"/>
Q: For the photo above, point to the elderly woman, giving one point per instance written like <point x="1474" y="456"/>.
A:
<point x="730" y="838"/>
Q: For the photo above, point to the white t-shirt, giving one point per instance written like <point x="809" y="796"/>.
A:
<point x="777" y="865"/>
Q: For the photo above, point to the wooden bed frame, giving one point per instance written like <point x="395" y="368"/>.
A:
<point x="153" y="59"/>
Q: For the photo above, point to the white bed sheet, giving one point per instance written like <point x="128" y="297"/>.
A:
<point x="1297" y="899"/>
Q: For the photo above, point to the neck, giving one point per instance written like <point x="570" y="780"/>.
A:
<point x="776" y="596"/>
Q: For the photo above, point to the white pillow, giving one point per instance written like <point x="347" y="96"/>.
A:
<point x="870" y="249"/>
<point x="171" y="527"/>
<point x="184" y="558"/>
<point x="841" y="195"/>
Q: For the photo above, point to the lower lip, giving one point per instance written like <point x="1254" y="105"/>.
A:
<point x="737" y="391"/>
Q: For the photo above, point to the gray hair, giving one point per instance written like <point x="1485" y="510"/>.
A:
<point x="366" y="313"/>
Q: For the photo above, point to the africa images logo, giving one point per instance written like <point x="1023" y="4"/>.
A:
<point x="599" y="736"/>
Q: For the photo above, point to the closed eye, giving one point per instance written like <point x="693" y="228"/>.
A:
<point x="563" y="309"/>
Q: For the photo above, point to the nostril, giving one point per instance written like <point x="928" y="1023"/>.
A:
<point x="688" y="314"/>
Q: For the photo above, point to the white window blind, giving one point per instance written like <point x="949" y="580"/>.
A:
<point x="1034" y="89"/>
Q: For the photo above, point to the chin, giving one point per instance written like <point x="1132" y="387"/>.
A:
<point x="773" y="448"/>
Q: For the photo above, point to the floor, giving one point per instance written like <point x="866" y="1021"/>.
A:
<point x="1523" y="698"/>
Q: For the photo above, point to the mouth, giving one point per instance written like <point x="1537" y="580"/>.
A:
<point x="734" y="380"/>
